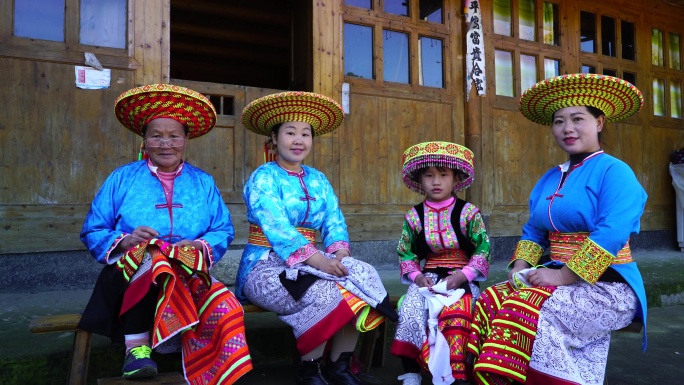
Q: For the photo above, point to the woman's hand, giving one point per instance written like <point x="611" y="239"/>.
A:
<point x="455" y="280"/>
<point x="139" y="235"/>
<point x="517" y="266"/>
<point x="342" y="253"/>
<point x="332" y="266"/>
<point x="552" y="277"/>
<point x="423" y="281"/>
<point x="196" y="244"/>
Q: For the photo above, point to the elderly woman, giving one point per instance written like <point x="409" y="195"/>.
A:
<point x="159" y="225"/>
<point x="322" y="294"/>
<point x="551" y="324"/>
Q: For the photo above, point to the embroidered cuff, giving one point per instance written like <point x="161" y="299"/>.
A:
<point x="339" y="245"/>
<point x="590" y="261"/>
<point x="479" y="263"/>
<point x="112" y="247"/>
<point x="208" y="252"/>
<point x="528" y="251"/>
<point x="408" y="267"/>
<point x="301" y="255"/>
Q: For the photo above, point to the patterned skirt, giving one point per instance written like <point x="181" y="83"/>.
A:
<point x="548" y="335"/>
<point x="321" y="311"/>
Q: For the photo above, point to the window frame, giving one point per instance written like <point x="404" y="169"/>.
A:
<point x="667" y="74"/>
<point x="70" y="51"/>
<point x="415" y="28"/>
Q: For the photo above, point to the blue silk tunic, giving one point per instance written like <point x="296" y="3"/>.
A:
<point x="279" y="203"/>
<point x="133" y="196"/>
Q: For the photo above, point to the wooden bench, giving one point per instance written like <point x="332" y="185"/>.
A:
<point x="371" y="351"/>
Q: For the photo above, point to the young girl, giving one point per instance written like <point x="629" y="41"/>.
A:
<point x="449" y="234"/>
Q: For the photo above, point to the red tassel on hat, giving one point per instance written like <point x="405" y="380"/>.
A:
<point x="143" y="155"/>
<point x="270" y="154"/>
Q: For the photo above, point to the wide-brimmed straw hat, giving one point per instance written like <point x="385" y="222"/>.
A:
<point x="138" y="106"/>
<point x="321" y="112"/>
<point x="437" y="154"/>
<point x="617" y="98"/>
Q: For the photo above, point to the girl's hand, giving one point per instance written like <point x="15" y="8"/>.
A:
<point x="423" y="281"/>
<point x="455" y="280"/>
<point x="517" y="266"/>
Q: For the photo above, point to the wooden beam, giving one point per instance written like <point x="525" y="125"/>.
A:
<point x="260" y="39"/>
<point x="262" y="15"/>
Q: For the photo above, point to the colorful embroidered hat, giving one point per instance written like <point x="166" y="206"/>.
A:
<point x="437" y="154"/>
<point x="323" y="113"/>
<point x="617" y="98"/>
<point x="138" y="106"/>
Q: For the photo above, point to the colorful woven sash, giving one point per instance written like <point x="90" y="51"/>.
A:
<point x="452" y="259"/>
<point x="257" y="236"/>
<point x="565" y="245"/>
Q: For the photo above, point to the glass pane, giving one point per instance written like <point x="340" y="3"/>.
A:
<point x="551" y="25"/>
<point x="365" y="4"/>
<point x="396" y="56"/>
<point x="528" y="19"/>
<point x="358" y="51"/>
<point x="39" y="19"/>
<point x="503" y="68"/>
<point x="431" y="64"/>
<point x="630" y="77"/>
<point x="551" y="68"/>
<point x="676" y="100"/>
<point x="608" y="36"/>
<point x="528" y="71"/>
<point x="431" y="10"/>
<point x="103" y="23"/>
<point x="588" y="69"/>
<point x="397" y="7"/>
<point x="627" y="38"/>
<point x="658" y="97"/>
<point x="675" y="52"/>
<point x="588" y="32"/>
<point x="609" y="72"/>
<point x="657" y="47"/>
<point x="502" y="17"/>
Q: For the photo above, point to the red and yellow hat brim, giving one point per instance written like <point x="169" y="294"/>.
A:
<point x="437" y="154"/>
<point x="321" y="112"/>
<point x="138" y="106"/>
<point x="617" y="98"/>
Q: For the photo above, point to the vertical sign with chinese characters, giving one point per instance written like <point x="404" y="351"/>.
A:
<point x="475" y="63"/>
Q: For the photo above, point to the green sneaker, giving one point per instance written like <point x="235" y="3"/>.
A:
<point x="138" y="363"/>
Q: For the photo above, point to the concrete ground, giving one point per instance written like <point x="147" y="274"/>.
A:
<point x="29" y="359"/>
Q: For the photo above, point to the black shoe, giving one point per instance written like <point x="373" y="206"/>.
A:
<point x="310" y="373"/>
<point x="338" y="372"/>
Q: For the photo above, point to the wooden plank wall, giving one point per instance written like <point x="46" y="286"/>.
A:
<point x="59" y="142"/>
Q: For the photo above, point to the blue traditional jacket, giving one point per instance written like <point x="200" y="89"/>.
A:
<point x="601" y="196"/>
<point x="133" y="196"/>
<point x="278" y="201"/>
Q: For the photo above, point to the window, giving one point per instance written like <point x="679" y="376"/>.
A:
<point x="666" y="69"/>
<point x="529" y="48"/>
<point x="51" y="29"/>
<point x="358" y="56"/>
<point x="607" y="46"/>
<point x="396" y="56"/>
<point x="403" y="44"/>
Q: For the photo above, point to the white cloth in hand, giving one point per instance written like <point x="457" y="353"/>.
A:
<point x="436" y="298"/>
